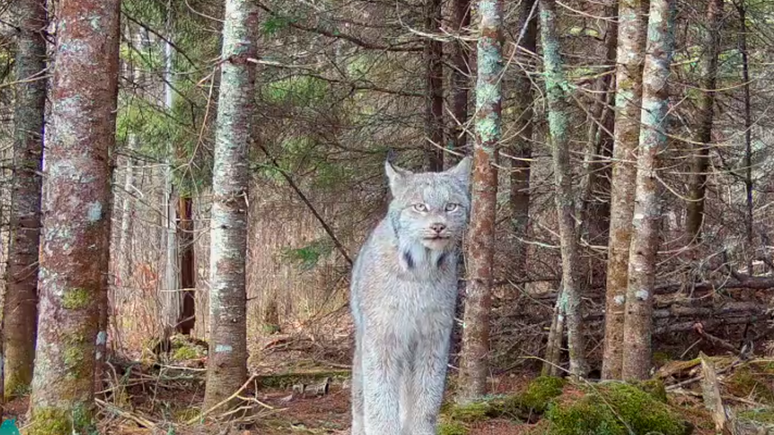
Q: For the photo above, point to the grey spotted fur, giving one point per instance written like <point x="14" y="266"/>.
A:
<point x="404" y="286"/>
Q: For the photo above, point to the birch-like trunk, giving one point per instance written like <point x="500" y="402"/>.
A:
<point x="170" y="296"/>
<point x="480" y="243"/>
<point x="73" y="278"/>
<point x="558" y="125"/>
<point x="434" y="88"/>
<point x="522" y="149"/>
<point x="708" y="68"/>
<point x="227" y="363"/>
<point x="628" y="102"/>
<point x="20" y="311"/>
<point x="460" y="81"/>
<point x="647" y="210"/>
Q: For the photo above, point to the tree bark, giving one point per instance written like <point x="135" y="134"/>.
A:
<point x="708" y="66"/>
<point x="171" y="298"/>
<point x="75" y="206"/>
<point x="558" y="125"/>
<point x="434" y="88"/>
<point x="20" y="311"/>
<point x="522" y="150"/>
<point x="227" y="363"/>
<point x="748" y="180"/>
<point x="630" y="56"/>
<point x="638" y="322"/>
<point x="480" y="243"/>
<point x="460" y="82"/>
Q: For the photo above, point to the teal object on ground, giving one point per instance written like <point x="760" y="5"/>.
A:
<point x="9" y="428"/>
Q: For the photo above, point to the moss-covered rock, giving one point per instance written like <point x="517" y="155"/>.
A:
<point x="537" y="396"/>
<point x="614" y="409"/>
<point x="655" y="388"/>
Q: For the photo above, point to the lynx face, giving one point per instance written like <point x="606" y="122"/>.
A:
<point x="430" y="208"/>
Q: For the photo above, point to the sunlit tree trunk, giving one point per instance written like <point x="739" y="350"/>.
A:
<point x="558" y="125"/>
<point x="638" y="322"/>
<point x="74" y="247"/>
<point x="522" y="149"/>
<point x="628" y="101"/>
<point x="708" y="66"/>
<point x="434" y="88"/>
<point x="170" y="296"/>
<point x="227" y="362"/>
<point x="460" y="81"/>
<point x="480" y="243"/>
<point x="20" y="311"/>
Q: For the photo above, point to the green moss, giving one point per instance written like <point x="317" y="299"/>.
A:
<point x="584" y="417"/>
<point x="759" y="415"/>
<point x="661" y="358"/>
<point x="655" y="388"/>
<point x="475" y="411"/>
<point x="76" y="298"/>
<point x="50" y="421"/>
<point x="185" y="353"/>
<point x="451" y="428"/>
<point x="612" y="409"/>
<point x="17" y="385"/>
<point x="747" y="382"/>
<point x="538" y="395"/>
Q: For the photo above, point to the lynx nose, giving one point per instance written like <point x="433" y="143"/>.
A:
<point x="438" y="227"/>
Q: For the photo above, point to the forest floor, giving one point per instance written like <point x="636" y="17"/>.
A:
<point x="149" y="398"/>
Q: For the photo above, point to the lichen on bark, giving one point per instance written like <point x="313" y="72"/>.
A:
<point x="558" y="124"/>
<point x="480" y="246"/>
<point x="630" y="55"/>
<point x="642" y="254"/>
<point x="74" y="240"/>
<point x="227" y="363"/>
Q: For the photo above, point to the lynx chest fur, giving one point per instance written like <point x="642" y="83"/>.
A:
<point x="404" y="285"/>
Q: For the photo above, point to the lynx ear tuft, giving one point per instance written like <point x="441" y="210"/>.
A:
<point x="461" y="170"/>
<point x="395" y="175"/>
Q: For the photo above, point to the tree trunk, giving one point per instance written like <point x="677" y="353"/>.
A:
<point x="434" y="88"/>
<point x="480" y="243"/>
<point x="227" y="363"/>
<point x="748" y="180"/>
<point x="170" y="297"/>
<point x="125" y="236"/>
<point x="20" y="311"/>
<point x="631" y="54"/>
<point x="708" y="66"/>
<point x="522" y="150"/>
<point x="638" y="321"/>
<point x="75" y="233"/>
<point x="558" y="124"/>
<point x="187" y="320"/>
<point x="460" y="82"/>
<point x="593" y="212"/>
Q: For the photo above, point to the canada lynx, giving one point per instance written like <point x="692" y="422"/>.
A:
<point x="403" y="293"/>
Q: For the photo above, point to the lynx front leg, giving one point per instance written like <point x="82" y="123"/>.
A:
<point x="428" y="379"/>
<point x="380" y="375"/>
<point x="358" y="427"/>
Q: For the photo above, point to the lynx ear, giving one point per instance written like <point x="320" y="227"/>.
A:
<point x="395" y="175"/>
<point x="461" y="170"/>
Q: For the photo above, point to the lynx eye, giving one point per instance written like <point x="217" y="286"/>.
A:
<point x="422" y="208"/>
<point x="451" y="207"/>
